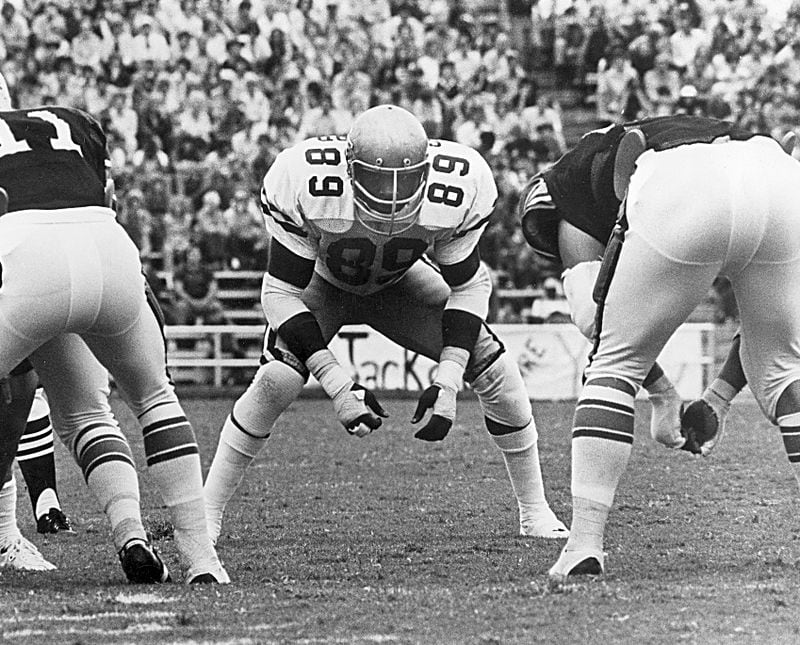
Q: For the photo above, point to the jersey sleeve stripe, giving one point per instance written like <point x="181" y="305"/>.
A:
<point x="479" y="224"/>
<point x="280" y="218"/>
<point x="539" y="197"/>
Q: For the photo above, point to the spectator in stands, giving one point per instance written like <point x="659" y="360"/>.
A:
<point x="149" y="43"/>
<point x="570" y="40"/>
<point x="211" y="230"/>
<point x="542" y="122"/>
<point x="255" y="102"/>
<point x="184" y="45"/>
<point x="196" y="289"/>
<point x="617" y="87"/>
<point x="247" y="242"/>
<point x="214" y="41"/>
<point x="646" y="47"/>
<point x="194" y="128"/>
<point x="686" y="39"/>
<point x="428" y="109"/>
<point x="465" y="58"/>
<point x="86" y="46"/>
<point x="469" y="127"/>
<point x="598" y="40"/>
<point x="662" y="86"/>
<point x="324" y="119"/>
<point x="136" y="220"/>
<point x="124" y="120"/>
<point x="14" y="27"/>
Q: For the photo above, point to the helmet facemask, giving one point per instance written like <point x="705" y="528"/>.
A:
<point x="388" y="199"/>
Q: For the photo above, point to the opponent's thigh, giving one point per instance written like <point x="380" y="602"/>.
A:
<point x="136" y="359"/>
<point x="649" y="297"/>
<point x="769" y="310"/>
<point x="76" y="384"/>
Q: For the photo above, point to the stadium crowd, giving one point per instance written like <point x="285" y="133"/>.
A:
<point x="199" y="96"/>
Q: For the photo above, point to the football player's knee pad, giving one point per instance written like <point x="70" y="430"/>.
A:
<point x="275" y="386"/>
<point x="503" y="396"/>
<point x="276" y="354"/>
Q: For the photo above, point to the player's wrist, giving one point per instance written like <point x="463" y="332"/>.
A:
<point x="452" y="363"/>
<point x="331" y="375"/>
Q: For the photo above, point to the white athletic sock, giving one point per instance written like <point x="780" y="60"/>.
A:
<point x="47" y="499"/>
<point x="8" y="511"/>
<point x="235" y="452"/>
<point x="245" y="432"/>
<point x="520" y="452"/>
<point x="588" y="525"/>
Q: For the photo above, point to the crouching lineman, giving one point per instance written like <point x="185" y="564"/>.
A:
<point x="68" y="267"/>
<point x="700" y="198"/>
<point x="350" y="219"/>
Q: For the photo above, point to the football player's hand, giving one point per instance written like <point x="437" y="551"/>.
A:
<point x="359" y="411"/>
<point x="442" y="400"/>
<point x="703" y="422"/>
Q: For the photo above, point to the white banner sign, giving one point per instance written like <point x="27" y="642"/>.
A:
<point x="550" y="357"/>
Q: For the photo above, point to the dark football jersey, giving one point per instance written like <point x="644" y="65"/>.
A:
<point x="581" y="183"/>
<point x="52" y="157"/>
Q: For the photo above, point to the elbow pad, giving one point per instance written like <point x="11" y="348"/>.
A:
<point x="578" y="284"/>
<point x="473" y="295"/>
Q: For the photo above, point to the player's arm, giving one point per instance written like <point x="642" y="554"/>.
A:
<point x="703" y="421"/>
<point x="291" y="266"/>
<point x="464" y="312"/>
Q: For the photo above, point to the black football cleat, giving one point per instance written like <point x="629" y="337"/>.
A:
<point x="54" y="521"/>
<point x="142" y="564"/>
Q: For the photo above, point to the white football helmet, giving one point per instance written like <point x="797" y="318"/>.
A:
<point x="5" y="95"/>
<point x="387" y="163"/>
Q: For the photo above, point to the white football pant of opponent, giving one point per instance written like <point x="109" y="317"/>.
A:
<point x="694" y="212"/>
<point x="76" y="270"/>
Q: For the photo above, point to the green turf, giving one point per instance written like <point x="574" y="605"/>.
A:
<point x="333" y="539"/>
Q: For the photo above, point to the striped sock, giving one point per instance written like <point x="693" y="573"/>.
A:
<point x="105" y="457"/>
<point x="790" y="432"/>
<point x="602" y="437"/>
<point x="173" y="461"/>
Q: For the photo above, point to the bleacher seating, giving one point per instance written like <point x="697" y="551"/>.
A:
<point x="240" y="292"/>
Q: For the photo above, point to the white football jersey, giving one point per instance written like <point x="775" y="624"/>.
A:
<point x="308" y="205"/>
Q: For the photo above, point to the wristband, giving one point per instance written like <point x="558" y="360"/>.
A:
<point x="326" y="369"/>
<point x="452" y="363"/>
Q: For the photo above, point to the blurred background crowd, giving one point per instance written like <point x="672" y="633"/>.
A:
<point x="199" y="96"/>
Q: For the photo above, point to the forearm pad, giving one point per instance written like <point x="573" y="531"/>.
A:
<point x="578" y="284"/>
<point x="331" y="376"/>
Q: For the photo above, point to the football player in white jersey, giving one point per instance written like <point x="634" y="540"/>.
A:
<point x="350" y="219"/>
<point x="69" y="269"/>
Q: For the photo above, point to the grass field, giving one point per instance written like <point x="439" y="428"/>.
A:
<point x="332" y="539"/>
